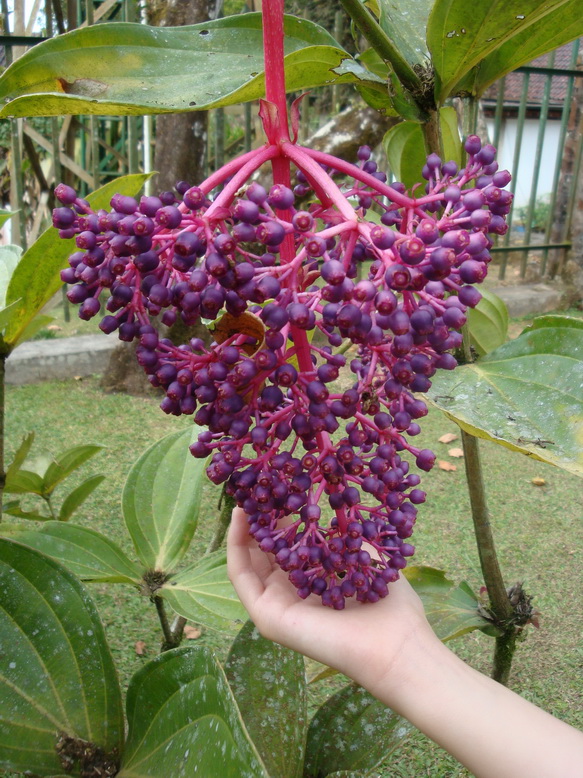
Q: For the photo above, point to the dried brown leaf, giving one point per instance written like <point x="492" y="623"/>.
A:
<point x="140" y="647"/>
<point x="447" y="466"/>
<point x="456" y="452"/>
<point x="191" y="633"/>
<point x="449" y="437"/>
<point x="538" y="481"/>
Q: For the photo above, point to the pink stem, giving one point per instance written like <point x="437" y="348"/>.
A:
<point x="273" y="53"/>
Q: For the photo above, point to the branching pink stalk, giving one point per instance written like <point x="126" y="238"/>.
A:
<point x="298" y="432"/>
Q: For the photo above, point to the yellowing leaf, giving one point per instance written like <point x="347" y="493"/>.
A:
<point x="538" y="481"/>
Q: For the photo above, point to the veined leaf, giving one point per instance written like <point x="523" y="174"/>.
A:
<point x="183" y="721"/>
<point x="451" y="610"/>
<point x="21" y="454"/>
<point x="66" y="463"/>
<point x="269" y="684"/>
<point x="36" y="278"/>
<point x="204" y="594"/>
<point x="57" y="678"/>
<point x="88" y="554"/>
<point x="134" y="69"/>
<point x="559" y="27"/>
<point x="78" y="496"/>
<point x="405" y="25"/>
<point x="13" y="508"/>
<point x="24" y="482"/>
<point x="161" y="500"/>
<point x="526" y="395"/>
<point x="488" y="323"/>
<point x="460" y="34"/>
<point x="352" y="731"/>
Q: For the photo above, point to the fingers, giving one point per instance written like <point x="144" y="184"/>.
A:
<point x="241" y="569"/>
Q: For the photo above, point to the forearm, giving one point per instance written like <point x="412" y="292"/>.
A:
<point x="494" y="732"/>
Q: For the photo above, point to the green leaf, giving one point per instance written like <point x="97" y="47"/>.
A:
<point x="393" y="99"/>
<point x="32" y="327"/>
<point x="5" y="215"/>
<point x="21" y="454"/>
<point x="405" y="147"/>
<point x="24" y="482"/>
<point x="56" y="672"/>
<point x="161" y="500"/>
<point x="134" y="69"/>
<point x="488" y="323"/>
<point x="88" y="554"/>
<point x="66" y="463"/>
<point x="352" y="731"/>
<point x="561" y="26"/>
<point x="13" y="508"/>
<point x="75" y="498"/>
<point x="405" y="25"/>
<point x="203" y="593"/>
<point x="269" y="684"/>
<point x="451" y="610"/>
<point x="526" y="395"/>
<point x="183" y="721"/>
<point x="460" y="34"/>
<point x="36" y="279"/>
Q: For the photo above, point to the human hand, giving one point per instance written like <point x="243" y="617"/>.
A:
<point x="366" y="642"/>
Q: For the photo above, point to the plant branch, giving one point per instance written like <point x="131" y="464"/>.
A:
<point x="169" y="637"/>
<point x="381" y="43"/>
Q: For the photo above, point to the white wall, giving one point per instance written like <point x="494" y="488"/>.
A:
<point x="527" y="163"/>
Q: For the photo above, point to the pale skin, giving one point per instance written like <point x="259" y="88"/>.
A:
<point x="390" y="649"/>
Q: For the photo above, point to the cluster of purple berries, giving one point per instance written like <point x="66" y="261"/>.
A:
<point x="291" y="277"/>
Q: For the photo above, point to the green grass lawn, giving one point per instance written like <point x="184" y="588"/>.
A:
<point x="538" y="530"/>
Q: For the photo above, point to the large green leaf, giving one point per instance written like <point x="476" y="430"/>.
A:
<point x="36" y="279"/>
<point x="525" y="395"/>
<point x="451" y="610"/>
<point x="488" y="323"/>
<point x="352" y="731"/>
<point x="560" y="26"/>
<point x="161" y="500"/>
<point x="405" y="147"/>
<point x="405" y="25"/>
<point x="269" y="684"/>
<point x="183" y="721"/>
<point x="88" y="554"/>
<point x="203" y="593"/>
<point x="66" y="463"/>
<point x="460" y="35"/>
<point x="57" y="678"/>
<point x="131" y="68"/>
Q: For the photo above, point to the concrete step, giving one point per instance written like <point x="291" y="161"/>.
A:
<point x="59" y="359"/>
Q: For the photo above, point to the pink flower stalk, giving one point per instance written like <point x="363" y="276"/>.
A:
<point x="320" y="469"/>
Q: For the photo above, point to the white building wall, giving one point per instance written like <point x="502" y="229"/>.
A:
<point x="527" y="163"/>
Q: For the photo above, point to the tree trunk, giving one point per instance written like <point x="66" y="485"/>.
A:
<point x="181" y="139"/>
<point x="573" y="270"/>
